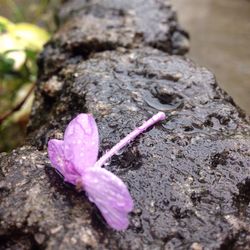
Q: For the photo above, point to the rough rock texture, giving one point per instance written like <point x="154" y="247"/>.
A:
<point x="121" y="23"/>
<point x="93" y="25"/>
<point x="189" y="175"/>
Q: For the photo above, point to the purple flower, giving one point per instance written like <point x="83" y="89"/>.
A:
<point x="75" y="158"/>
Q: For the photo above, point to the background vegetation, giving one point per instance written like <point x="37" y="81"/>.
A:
<point x="25" y="26"/>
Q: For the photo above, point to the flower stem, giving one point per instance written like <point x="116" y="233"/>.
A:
<point x="125" y="141"/>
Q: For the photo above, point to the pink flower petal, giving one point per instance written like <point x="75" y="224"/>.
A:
<point x="75" y="158"/>
<point x="56" y="156"/>
<point x="110" y="195"/>
<point x="81" y="142"/>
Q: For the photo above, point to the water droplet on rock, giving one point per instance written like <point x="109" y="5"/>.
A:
<point x="39" y="238"/>
<point x="163" y="99"/>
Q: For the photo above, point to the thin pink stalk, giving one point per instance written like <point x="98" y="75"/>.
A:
<point x="125" y="141"/>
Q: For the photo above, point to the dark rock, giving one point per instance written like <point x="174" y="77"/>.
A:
<point x="188" y="175"/>
<point x="126" y="23"/>
<point x="127" y="86"/>
<point x="121" y="23"/>
<point x="37" y="211"/>
<point x="94" y="26"/>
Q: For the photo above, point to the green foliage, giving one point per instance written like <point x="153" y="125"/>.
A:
<point x="6" y="65"/>
<point x="20" y="44"/>
<point x="2" y="27"/>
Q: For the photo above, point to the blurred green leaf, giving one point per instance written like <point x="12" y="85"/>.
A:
<point x="6" y="65"/>
<point x="2" y="28"/>
<point x="31" y="54"/>
<point x="20" y="44"/>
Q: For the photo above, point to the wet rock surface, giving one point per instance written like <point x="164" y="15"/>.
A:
<point x="121" y="23"/>
<point x="188" y="175"/>
<point x="91" y="26"/>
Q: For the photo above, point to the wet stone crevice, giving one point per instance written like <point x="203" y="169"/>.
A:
<point x="188" y="175"/>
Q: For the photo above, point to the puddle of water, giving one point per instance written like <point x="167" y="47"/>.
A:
<point x="220" y="41"/>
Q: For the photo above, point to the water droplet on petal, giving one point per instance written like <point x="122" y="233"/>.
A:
<point x="121" y="150"/>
